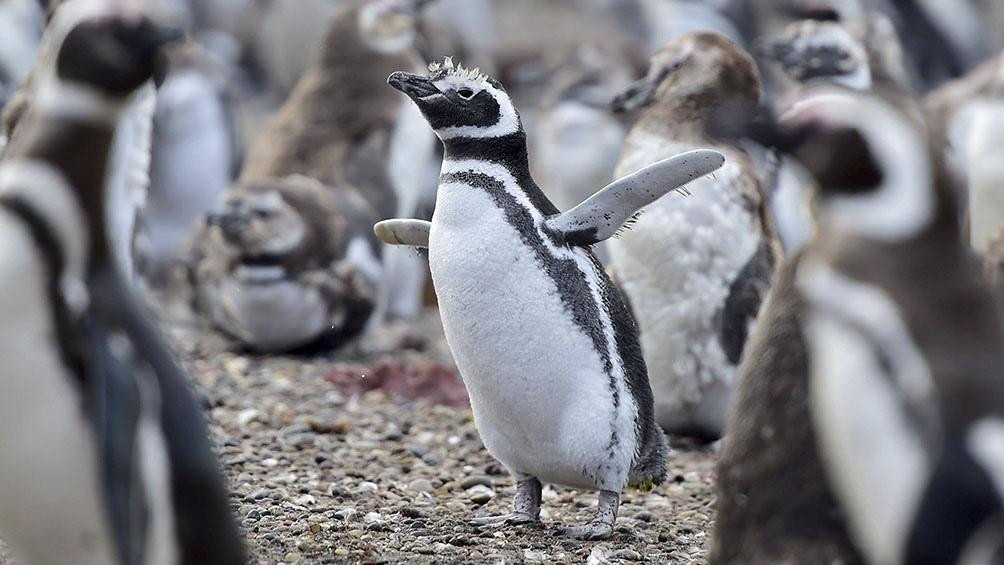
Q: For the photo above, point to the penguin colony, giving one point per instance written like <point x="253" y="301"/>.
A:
<point x="786" y="235"/>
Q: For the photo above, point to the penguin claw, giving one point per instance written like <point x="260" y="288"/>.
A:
<point x="511" y="519"/>
<point x="592" y="531"/>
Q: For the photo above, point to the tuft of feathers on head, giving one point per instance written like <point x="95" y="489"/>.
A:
<point x="447" y="67"/>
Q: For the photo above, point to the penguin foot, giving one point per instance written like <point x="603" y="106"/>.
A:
<point x="595" y="530"/>
<point x="526" y="507"/>
<point x="602" y="526"/>
<point x="511" y="519"/>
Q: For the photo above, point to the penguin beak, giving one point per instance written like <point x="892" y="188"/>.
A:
<point x="639" y="94"/>
<point x="229" y="223"/>
<point x="415" y="86"/>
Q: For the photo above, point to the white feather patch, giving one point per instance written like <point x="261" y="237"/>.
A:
<point x="875" y="457"/>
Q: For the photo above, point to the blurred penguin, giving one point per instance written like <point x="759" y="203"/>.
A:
<point x="906" y="343"/>
<point x="21" y="24"/>
<point x="695" y="269"/>
<point x="970" y="111"/>
<point x="345" y="130"/>
<point x="578" y="141"/>
<point x="116" y="467"/>
<point x="193" y="158"/>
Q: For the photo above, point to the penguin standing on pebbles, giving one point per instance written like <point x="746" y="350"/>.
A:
<point x="103" y="455"/>
<point x="545" y="344"/>
<point x="695" y="269"/>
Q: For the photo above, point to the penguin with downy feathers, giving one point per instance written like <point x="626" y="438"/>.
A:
<point x="117" y="467"/>
<point x="695" y="269"/>
<point x="346" y="145"/>
<point x="544" y="342"/>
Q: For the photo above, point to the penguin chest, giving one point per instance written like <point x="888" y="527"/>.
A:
<point x="676" y="265"/>
<point x="262" y="306"/>
<point x="51" y="505"/>
<point x="544" y="402"/>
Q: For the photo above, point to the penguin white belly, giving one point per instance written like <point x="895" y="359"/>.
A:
<point x="51" y="502"/>
<point x="271" y="314"/>
<point x="676" y="265"/>
<point x="541" y="398"/>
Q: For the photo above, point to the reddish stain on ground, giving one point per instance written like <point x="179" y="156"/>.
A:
<point x="426" y="381"/>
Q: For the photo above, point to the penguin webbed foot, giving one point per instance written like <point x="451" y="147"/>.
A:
<point x="602" y="526"/>
<point x="525" y="507"/>
<point x="510" y="519"/>
<point x="593" y="531"/>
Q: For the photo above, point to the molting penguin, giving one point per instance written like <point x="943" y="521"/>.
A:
<point x="545" y="345"/>
<point x="579" y="142"/>
<point x="283" y="265"/>
<point x="104" y="454"/>
<point x="695" y="269"/>
<point x="363" y="153"/>
<point x="906" y="343"/>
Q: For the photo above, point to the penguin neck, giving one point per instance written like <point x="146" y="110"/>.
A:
<point x="508" y="150"/>
<point x="78" y="151"/>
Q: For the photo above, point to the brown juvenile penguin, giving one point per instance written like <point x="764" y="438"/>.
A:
<point x="291" y="258"/>
<point x="695" y="268"/>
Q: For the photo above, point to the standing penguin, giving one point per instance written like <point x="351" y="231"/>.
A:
<point x="546" y="347"/>
<point x="104" y="457"/>
<point x="695" y="270"/>
<point x="905" y="340"/>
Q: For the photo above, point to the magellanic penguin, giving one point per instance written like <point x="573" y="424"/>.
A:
<point x="547" y="349"/>
<point x="906" y="342"/>
<point x="695" y="270"/>
<point x="350" y="149"/>
<point x="104" y="457"/>
<point x="192" y="159"/>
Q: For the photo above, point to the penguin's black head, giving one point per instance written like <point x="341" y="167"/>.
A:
<point x="460" y="103"/>
<point x="112" y="52"/>
<point x="873" y="161"/>
<point x="809" y="50"/>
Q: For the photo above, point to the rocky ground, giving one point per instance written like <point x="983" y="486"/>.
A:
<point x="371" y="456"/>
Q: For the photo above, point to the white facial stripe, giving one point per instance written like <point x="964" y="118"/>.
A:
<point x="47" y="192"/>
<point x="904" y="204"/>
<point x="507" y="123"/>
<point x="77" y="101"/>
<point x="502" y="174"/>
<point x="875" y="456"/>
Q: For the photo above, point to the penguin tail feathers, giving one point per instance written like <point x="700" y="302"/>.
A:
<point x="649" y="468"/>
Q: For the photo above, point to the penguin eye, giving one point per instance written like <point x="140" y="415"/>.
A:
<point x="465" y="93"/>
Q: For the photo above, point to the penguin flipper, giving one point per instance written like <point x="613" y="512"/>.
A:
<point x="398" y="231"/>
<point x="207" y="531"/>
<point x="601" y="215"/>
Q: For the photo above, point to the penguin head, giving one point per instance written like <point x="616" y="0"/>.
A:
<point x="809" y="50"/>
<point x="701" y="70"/>
<point x="106" y="48"/>
<point x="259" y="223"/>
<point x="389" y="26"/>
<point x="878" y="174"/>
<point x="459" y="102"/>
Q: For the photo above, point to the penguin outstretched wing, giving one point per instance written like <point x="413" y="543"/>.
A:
<point x="399" y="231"/>
<point x="601" y="215"/>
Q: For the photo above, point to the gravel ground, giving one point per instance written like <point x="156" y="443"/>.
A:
<point x="371" y="456"/>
